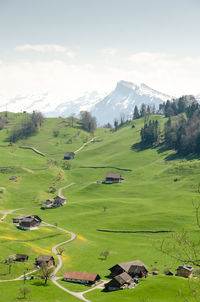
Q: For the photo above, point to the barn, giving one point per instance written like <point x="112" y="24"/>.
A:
<point x="69" y="155"/>
<point x="81" y="277"/>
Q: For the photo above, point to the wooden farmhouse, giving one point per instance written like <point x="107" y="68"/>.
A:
<point x="45" y="260"/>
<point x="19" y="218"/>
<point x="21" y="257"/>
<point x="184" y="271"/>
<point x="121" y="281"/>
<point x="69" y="155"/>
<point x="113" y="178"/>
<point x="81" y="277"/>
<point x="133" y="268"/>
<point x="28" y="223"/>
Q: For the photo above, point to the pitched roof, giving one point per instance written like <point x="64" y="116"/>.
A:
<point x="127" y="265"/>
<point x="44" y="258"/>
<point x="123" y="278"/>
<point x="112" y="175"/>
<point x="80" y="276"/>
<point x="20" y="256"/>
<point x="28" y="219"/>
<point x="69" y="154"/>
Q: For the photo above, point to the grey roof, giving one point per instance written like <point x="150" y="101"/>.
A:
<point x="127" y="265"/>
<point x="28" y="219"/>
<point x="69" y="154"/>
<point x="123" y="278"/>
<point x="44" y="258"/>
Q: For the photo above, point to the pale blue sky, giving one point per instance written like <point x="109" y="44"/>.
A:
<point x="116" y="38"/>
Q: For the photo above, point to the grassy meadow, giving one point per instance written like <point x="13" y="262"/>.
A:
<point x="149" y="200"/>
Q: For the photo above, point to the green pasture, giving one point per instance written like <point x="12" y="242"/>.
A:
<point x="157" y="195"/>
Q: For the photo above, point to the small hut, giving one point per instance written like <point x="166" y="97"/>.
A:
<point x="21" y="257"/>
<point x="45" y="260"/>
<point x="81" y="277"/>
<point x="184" y="271"/>
<point x="69" y="155"/>
<point x="113" y="178"/>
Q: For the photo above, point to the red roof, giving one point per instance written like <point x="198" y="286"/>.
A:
<point x="81" y="276"/>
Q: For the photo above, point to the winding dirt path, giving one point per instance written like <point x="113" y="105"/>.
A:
<point x="33" y="149"/>
<point x="90" y="141"/>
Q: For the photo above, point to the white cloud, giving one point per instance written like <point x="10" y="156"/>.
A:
<point x="167" y="72"/>
<point x="109" y="51"/>
<point x="63" y="81"/>
<point x="46" y="48"/>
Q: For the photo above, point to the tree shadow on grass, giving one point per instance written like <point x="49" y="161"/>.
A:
<point x="173" y="155"/>
<point x="39" y="283"/>
<point x="140" y="147"/>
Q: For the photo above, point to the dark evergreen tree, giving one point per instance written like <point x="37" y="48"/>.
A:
<point x="136" y="114"/>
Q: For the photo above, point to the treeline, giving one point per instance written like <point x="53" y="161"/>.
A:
<point x="29" y="125"/>
<point x="186" y="103"/>
<point x="145" y="110"/>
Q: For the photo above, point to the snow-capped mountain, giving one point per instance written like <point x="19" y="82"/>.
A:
<point x="123" y="100"/>
<point x="106" y="107"/>
<point x="83" y="103"/>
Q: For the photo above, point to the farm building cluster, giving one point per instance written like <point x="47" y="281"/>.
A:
<point x="123" y="275"/>
<point x="47" y="260"/>
<point x="54" y="203"/>
<point x="27" y="222"/>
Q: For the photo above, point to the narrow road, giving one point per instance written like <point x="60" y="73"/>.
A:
<point x="60" y="263"/>
<point x="90" y="141"/>
<point x="63" y="188"/>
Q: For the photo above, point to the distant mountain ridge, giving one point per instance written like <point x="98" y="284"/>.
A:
<point x="105" y="107"/>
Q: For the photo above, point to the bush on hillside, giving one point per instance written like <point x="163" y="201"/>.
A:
<point x="88" y="121"/>
<point x="27" y="126"/>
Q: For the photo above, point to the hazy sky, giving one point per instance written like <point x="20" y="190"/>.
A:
<point x="67" y="47"/>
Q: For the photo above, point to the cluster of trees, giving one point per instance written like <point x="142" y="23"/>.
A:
<point x="88" y="121"/>
<point x="27" y="126"/>
<point x="183" y="134"/>
<point x="176" y="106"/>
<point x="150" y="133"/>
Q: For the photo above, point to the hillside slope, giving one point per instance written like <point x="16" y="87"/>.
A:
<point x="148" y="200"/>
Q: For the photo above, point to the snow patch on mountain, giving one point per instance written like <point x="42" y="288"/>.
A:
<point x="123" y="99"/>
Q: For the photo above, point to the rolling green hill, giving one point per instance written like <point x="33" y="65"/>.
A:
<point x="148" y="200"/>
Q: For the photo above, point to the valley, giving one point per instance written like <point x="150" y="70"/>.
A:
<point x="147" y="202"/>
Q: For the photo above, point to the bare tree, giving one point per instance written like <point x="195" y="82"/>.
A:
<point x="105" y="255"/>
<point x="24" y="291"/>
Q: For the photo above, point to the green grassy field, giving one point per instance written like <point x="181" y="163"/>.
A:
<point x="148" y="200"/>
